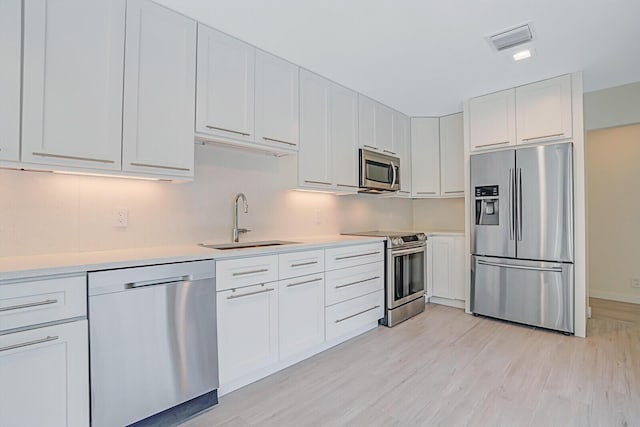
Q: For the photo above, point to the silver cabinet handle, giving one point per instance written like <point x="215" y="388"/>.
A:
<point x="60" y="156"/>
<point x="28" y="343"/>
<point x="291" y="285"/>
<point x="425" y="192"/>
<point x="347" y="185"/>
<point x="356" y="256"/>
<point x="31" y="304"/>
<point x="162" y="281"/>
<point x="279" y="140"/>
<point x="149" y="165"/>
<point x="357" y="314"/>
<point x="301" y="264"/>
<point x="454" y="192"/>
<point x="358" y="282"/>
<point x="369" y="146"/>
<point x="228" y="130"/>
<point x="250" y="293"/>
<point x="543" y="136"/>
<point x="521" y="267"/>
<point x="242" y="273"/>
<point x="317" y="182"/>
<point x="493" y="143"/>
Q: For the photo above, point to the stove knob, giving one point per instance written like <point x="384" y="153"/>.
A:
<point x="396" y="241"/>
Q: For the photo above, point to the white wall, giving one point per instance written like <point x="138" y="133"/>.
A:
<point x="46" y="212"/>
<point x="614" y="106"/>
<point x="438" y="214"/>
<point x="613" y="182"/>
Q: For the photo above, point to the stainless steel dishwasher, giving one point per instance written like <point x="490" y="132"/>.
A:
<point x="153" y="342"/>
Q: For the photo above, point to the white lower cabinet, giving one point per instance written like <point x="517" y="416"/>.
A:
<point x="44" y="376"/>
<point x="447" y="267"/>
<point x="247" y="329"/>
<point x="301" y="308"/>
<point x="355" y="313"/>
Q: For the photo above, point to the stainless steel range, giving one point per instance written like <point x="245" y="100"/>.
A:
<point x="406" y="274"/>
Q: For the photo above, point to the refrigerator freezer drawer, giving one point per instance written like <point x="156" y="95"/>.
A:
<point x="531" y="292"/>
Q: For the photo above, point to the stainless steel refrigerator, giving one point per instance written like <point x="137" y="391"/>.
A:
<point x="522" y="236"/>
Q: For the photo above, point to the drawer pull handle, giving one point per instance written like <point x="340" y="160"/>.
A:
<point x="356" y="256"/>
<point x="28" y="343"/>
<point x="304" y="263"/>
<point x="149" y="165"/>
<point x="243" y="273"/>
<point x="291" y="285"/>
<point x="492" y="143"/>
<point x="31" y="304"/>
<point x="357" y="314"/>
<point x="317" y="182"/>
<point x="543" y="136"/>
<point x="279" y="140"/>
<point x="358" y="282"/>
<point x="60" y="156"/>
<point x="227" y="130"/>
<point x="250" y="293"/>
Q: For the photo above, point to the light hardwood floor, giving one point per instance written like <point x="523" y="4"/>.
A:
<point x="447" y="368"/>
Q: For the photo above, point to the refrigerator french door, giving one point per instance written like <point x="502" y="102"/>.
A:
<point x="522" y="235"/>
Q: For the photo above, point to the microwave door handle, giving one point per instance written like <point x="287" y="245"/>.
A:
<point x="395" y="174"/>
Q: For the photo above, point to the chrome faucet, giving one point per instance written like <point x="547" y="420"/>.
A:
<point x="237" y="231"/>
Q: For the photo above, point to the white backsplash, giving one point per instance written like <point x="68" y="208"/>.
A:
<point x="44" y="212"/>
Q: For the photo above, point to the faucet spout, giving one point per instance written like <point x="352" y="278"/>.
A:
<point x="236" y="230"/>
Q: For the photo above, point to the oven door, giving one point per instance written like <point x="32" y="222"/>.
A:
<point x="379" y="172"/>
<point x="406" y="275"/>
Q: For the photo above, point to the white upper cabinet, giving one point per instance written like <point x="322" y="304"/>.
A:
<point x="344" y="138"/>
<point x="226" y="76"/>
<point x="375" y="126"/>
<point x="72" y="96"/>
<point x="402" y="147"/>
<point x="452" y="155"/>
<point x="314" y="158"/>
<point x="425" y="157"/>
<point x="543" y="110"/>
<point x="276" y="102"/>
<point x="10" y="52"/>
<point x="159" y="91"/>
<point x="492" y="120"/>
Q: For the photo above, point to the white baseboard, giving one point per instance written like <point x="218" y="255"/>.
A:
<point x="614" y="296"/>
<point x="456" y="303"/>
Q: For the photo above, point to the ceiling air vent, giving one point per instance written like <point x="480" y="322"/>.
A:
<point x="511" y="37"/>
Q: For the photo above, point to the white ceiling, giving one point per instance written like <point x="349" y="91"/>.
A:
<point x="424" y="57"/>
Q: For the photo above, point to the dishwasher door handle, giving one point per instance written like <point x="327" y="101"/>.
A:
<point x="162" y="281"/>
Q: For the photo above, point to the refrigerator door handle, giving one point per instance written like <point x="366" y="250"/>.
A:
<point x="512" y="214"/>
<point x="519" y="203"/>
<point x="520" y="267"/>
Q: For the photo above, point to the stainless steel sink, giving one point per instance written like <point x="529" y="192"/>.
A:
<point x="247" y="245"/>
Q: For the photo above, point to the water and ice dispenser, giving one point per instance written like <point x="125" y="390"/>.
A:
<point x="487" y="205"/>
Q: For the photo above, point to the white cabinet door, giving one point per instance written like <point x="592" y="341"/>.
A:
<point x="440" y="264"/>
<point x="72" y="96"/>
<point x="402" y="147"/>
<point x="277" y="100"/>
<point x="456" y="272"/>
<point x="247" y="330"/>
<point x="159" y="91"/>
<point x="375" y="125"/>
<point x="226" y="76"/>
<point x="452" y="155"/>
<point x="301" y="320"/>
<point x="425" y="157"/>
<point x="492" y="120"/>
<point x="544" y="110"/>
<point x="44" y="376"/>
<point x="314" y="157"/>
<point x="344" y="138"/>
<point x="10" y="52"/>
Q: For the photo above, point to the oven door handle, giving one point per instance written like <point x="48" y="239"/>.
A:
<point x="408" y="251"/>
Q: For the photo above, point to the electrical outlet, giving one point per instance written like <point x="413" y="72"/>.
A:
<point x="635" y="282"/>
<point x="121" y="217"/>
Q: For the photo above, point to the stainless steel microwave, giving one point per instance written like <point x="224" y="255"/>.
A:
<point x="378" y="172"/>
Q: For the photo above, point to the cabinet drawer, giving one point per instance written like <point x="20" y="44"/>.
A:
<point x="246" y="271"/>
<point x="352" y="282"/>
<point x="349" y="256"/>
<point x="300" y="263"/>
<point x="350" y="315"/>
<point x="27" y="303"/>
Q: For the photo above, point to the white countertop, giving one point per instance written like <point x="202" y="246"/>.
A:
<point x="16" y="267"/>
<point x="443" y="232"/>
